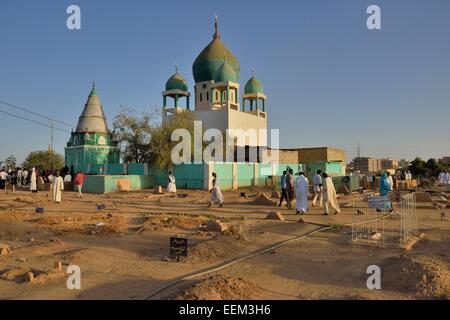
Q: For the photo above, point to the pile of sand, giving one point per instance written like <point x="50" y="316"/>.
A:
<point x="217" y="248"/>
<point x="86" y="224"/>
<point x="175" y="221"/>
<point x="262" y="199"/>
<point x="220" y="287"/>
<point x="419" y="275"/>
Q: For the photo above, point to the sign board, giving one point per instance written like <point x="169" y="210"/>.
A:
<point x="178" y="247"/>
<point x="379" y="203"/>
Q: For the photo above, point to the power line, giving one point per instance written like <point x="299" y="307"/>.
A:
<point x="34" y="121"/>
<point x="36" y="114"/>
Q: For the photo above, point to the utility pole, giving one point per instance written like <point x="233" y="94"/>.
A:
<point x="50" y="148"/>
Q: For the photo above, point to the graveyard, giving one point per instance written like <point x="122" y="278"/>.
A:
<point x="125" y="247"/>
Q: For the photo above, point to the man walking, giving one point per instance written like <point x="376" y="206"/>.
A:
<point x="317" y="189"/>
<point x="79" y="180"/>
<point x="302" y="191"/>
<point x="329" y="195"/>
<point x="3" y="177"/>
<point x="290" y="188"/>
<point x="283" y="188"/>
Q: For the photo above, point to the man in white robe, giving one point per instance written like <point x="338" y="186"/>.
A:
<point x="68" y="178"/>
<point x="301" y="193"/>
<point x="58" y="187"/>
<point x="329" y="195"/>
<point x="33" y="181"/>
<point x="317" y="188"/>
<point x="171" y="185"/>
<point x="391" y="181"/>
<point x="441" y="178"/>
<point x="216" y="193"/>
<point x="446" y="178"/>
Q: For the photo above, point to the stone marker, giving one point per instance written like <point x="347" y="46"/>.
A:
<point x="29" y="277"/>
<point x="4" y="249"/>
<point x="216" y="226"/>
<point x="158" y="190"/>
<point x="58" y="266"/>
<point x="275" y="216"/>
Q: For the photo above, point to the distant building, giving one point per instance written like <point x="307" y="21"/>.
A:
<point x="372" y="165"/>
<point x="444" y="160"/>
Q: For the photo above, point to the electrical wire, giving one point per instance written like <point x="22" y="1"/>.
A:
<point x="36" y="114"/>
<point x="34" y="121"/>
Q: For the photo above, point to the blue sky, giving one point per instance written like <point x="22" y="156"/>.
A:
<point x="330" y="81"/>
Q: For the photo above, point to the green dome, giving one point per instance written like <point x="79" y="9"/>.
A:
<point x="225" y="73"/>
<point x="211" y="59"/>
<point x="253" y="86"/>
<point x="177" y="82"/>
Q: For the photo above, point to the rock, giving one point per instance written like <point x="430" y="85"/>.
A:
<point x="275" y="216"/>
<point x="4" y="249"/>
<point x="216" y="226"/>
<point x="301" y="221"/>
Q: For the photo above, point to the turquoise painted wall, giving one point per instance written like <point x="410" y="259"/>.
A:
<point x="189" y="176"/>
<point x="109" y="184"/>
<point x="225" y="174"/>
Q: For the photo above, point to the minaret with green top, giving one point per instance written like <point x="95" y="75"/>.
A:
<point x="92" y="144"/>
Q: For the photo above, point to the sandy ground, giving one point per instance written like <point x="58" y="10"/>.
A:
<point x="123" y="250"/>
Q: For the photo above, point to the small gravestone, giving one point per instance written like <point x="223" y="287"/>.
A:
<point x="39" y="210"/>
<point x="158" y="190"/>
<point x="178" y="247"/>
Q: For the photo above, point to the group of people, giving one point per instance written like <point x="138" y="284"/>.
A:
<point x="323" y="191"/>
<point x="21" y="178"/>
<point x="18" y="177"/>
<point x="444" y="178"/>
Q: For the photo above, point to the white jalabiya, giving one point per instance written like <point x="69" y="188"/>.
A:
<point x="58" y="187"/>
<point x="301" y="193"/>
<point x="329" y="195"/>
<point x="68" y="178"/>
<point x="446" y="178"/>
<point x="216" y="193"/>
<point x="391" y="183"/>
<point x="171" y="186"/>
<point x="33" y="183"/>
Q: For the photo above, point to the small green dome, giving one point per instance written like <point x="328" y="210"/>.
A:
<point x="177" y="82"/>
<point x="253" y="86"/>
<point x="225" y="73"/>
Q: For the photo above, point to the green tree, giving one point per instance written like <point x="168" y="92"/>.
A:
<point x="44" y="160"/>
<point x="418" y="168"/>
<point x="133" y="131"/>
<point x="11" y="162"/>
<point x="161" y="143"/>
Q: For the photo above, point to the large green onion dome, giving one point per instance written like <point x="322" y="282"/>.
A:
<point x="211" y="59"/>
